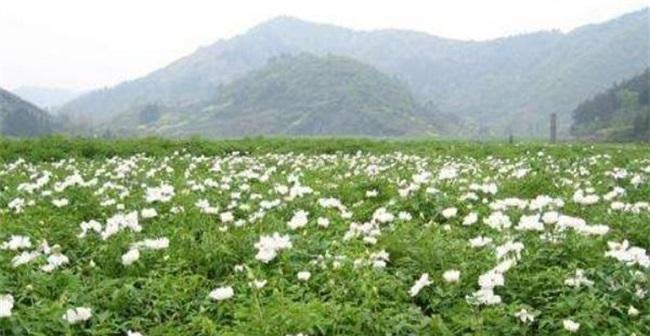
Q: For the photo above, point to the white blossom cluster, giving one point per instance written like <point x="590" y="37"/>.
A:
<point x="326" y="229"/>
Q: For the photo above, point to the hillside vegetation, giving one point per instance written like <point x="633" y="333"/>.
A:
<point x="297" y="95"/>
<point x="505" y="85"/>
<point x="19" y="118"/>
<point x="621" y="113"/>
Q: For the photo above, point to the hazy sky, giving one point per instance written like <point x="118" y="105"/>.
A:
<point x="84" y="44"/>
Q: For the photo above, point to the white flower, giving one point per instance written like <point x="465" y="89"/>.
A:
<point x="550" y="217"/>
<point x="77" y="315"/>
<point x="525" y="316"/>
<point x="59" y="203"/>
<point x="222" y="293"/>
<point x="617" y="205"/>
<point x="259" y="284"/>
<point x="640" y="292"/>
<point x="636" y="180"/>
<point x="578" y="280"/>
<point x="580" y="198"/>
<point x="530" y="223"/>
<point x="55" y="261"/>
<point x="120" y="222"/>
<point x="226" y="217"/>
<point x="16" y="243"/>
<point x="298" y="220"/>
<point x="91" y="225"/>
<point x="449" y="212"/>
<point x="164" y="193"/>
<point x="510" y="246"/>
<point x="381" y="215"/>
<point x="17" y="205"/>
<point x="268" y="246"/>
<point x="372" y="193"/>
<point x="133" y="333"/>
<point x="149" y="213"/>
<point x="470" y="219"/>
<point x="480" y="241"/>
<point x="484" y="296"/>
<point x="447" y="173"/>
<point x="571" y="326"/>
<point x="323" y="222"/>
<point x="451" y="275"/>
<point x="633" y="311"/>
<point x="379" y="259"/>
<point x="24" y="258"/>
<point x="304" y="275"/>
<point x="152" y="244"/>
<point x="6" y="305"/>
<point x="491" y="279"/>
<point x="405" y="216"/>
<point x="498" y="221"/>
<point x="422" y="282"/>
<point x="130" y="257"/>
<point x="266" y="255"/>
<point x="629" y="255"/>
<point x="422" y="177"/>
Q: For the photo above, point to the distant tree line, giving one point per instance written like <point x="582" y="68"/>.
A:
<point x="620" y="113"/>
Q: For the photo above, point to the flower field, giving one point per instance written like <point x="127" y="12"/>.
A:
<point x="312" y="237"/>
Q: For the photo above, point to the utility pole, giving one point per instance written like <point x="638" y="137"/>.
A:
<point x="554" y="128"/>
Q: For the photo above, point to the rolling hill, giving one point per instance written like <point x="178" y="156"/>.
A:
<point x="296" y="95"/>
<point x="505" y="85"/>
<point x="19" y="118"/>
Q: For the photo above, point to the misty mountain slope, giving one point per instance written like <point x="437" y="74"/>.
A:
<point x="508" y="84"/>
<point x="621" y="113"/>
<point x="19" y="118"/>
<point x="300" y="95"/>
<point x="44" y="97"/>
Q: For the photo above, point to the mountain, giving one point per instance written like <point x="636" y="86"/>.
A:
<point x="505" y="85"/>
<point x="296" y="95"/>
<point x="46" y="98"/>
<point x="620" y="113"/>
<point x="19" y="118"/>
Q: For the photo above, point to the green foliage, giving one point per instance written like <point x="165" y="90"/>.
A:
<point x="297" y="95"/>
<point x="165" y="292"/>
<point x="509" y="84"/>
<point x="58" y="147"/>
<point x="620" y="113"/>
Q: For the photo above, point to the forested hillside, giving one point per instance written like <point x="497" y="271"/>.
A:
<point x="298" y="95"/>
<point x="506" y="85"/>
<point x="19" y="118"/>
<point x="620" y="113"/>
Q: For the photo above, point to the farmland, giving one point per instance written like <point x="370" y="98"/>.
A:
<point x="322" y="237"/>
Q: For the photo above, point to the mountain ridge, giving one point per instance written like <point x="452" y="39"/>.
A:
<point x="300" y="94"/>
<point x="497" y="84"/>
<point x="20" y="118"/>
<point x="46" y="97"/>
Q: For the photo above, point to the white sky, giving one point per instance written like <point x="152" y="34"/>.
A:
<point x="84" y="44"/>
